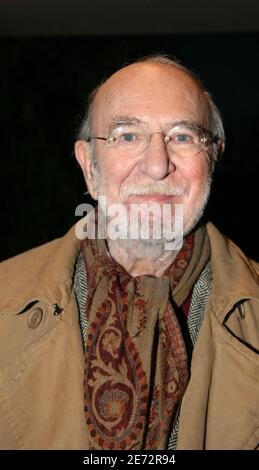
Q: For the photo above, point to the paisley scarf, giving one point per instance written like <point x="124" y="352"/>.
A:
<point x="136" y="366"/>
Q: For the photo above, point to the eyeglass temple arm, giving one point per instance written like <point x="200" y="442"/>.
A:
<point x="91" y="138"/>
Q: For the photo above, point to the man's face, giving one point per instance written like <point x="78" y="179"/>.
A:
<point x="155" y="96"/>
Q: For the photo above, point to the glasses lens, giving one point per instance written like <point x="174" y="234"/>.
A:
<point x="128" y="140"/>
<point x="186" y="140"/>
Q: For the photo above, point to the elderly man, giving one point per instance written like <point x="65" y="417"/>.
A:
<point x="136" y="342"/>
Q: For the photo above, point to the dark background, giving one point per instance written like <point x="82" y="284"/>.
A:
<point x="48" y="68"/>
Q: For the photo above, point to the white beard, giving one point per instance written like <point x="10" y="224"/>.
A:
<point x="154" y="247"/>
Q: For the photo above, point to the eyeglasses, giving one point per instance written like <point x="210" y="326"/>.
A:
<point x="183" y="140"/>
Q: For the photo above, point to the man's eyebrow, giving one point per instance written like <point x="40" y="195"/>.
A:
<point x="184" y="122"/>
<point x="124" y="120"/>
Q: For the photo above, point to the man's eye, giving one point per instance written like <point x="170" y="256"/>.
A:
<point x="128" y="138"/>
<point x="182" y="139"/>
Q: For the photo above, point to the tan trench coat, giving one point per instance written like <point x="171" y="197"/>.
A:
<point x="42" y="359"/>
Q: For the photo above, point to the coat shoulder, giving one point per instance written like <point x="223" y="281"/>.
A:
<point x="227" y="253"/>
<point x="251" y="264"/>
<point x="25" y="260"/>
<point x="20" y="271"/>
<point x="40" y="273"/>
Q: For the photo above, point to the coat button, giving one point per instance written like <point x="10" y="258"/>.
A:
<point x="35" y="318"/>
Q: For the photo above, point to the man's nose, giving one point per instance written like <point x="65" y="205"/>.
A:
<point x="155" y="162"/>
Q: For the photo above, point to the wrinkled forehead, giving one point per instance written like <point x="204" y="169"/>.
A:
<point x="149" y="88"/>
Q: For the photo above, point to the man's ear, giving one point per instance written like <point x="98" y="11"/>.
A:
<point x="222" y="147"/>
<point x="83" y="156"/>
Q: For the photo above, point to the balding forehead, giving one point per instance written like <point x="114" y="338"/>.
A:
<point x="129" y="78"/>
<point x="149" y="71"/>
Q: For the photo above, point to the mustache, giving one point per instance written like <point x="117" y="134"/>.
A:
<point x="160" y="188"/>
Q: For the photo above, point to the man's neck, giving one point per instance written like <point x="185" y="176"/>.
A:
<point x="139" y="258"/>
